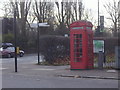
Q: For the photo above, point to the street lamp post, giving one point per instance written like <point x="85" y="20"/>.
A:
<point x="15" y="40"/>
<point x="38" y="35"/>
<point x="98" y="13"/>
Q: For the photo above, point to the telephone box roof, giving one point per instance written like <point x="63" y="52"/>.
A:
<point x="81" y="23"/>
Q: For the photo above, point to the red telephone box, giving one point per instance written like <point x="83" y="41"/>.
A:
<point x="81" y="45"/>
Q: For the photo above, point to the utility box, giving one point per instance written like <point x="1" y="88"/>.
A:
<point x="81" y="45"/>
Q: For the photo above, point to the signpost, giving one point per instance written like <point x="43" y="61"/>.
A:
<point x="35" y="25"/>
<point x="101" y="24"/>
<point x="99" y="49"/>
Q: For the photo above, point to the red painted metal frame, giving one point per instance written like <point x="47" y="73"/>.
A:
<point x="86" y="61"/>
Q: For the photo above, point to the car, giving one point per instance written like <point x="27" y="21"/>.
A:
<point x="8" y="50"/>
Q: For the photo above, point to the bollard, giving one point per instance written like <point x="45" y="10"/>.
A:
<point x="100" y="60"/>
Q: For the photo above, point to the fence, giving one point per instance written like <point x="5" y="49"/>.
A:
<point x="57" y="52"/>
<point x="108" y="63"/>
<point x="109" y="56"/>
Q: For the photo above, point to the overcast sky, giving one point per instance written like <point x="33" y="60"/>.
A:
<point x="93" y="5"/>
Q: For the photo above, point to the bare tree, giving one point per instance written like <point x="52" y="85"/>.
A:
<point x="22" y="9"/>
<point x="61" y="14"/>
<point x="80" y="9"/>
<point x="75" y="10"/>
<point x="6" y="8"/>
<point x="112" y="9"/>
<point x="87" y="15"/>
<point x="43" y="10"/>
<point x="69" y="12"/>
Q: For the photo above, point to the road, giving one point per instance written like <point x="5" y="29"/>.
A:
<point x="30" y="75"/>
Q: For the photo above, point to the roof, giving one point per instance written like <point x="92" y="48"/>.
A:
<point x="81" y="23"/>
<point x="6" y="44"/>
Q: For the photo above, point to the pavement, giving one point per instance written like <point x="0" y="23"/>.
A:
<point x="38" y="76"/>
<point x="33" y="69"/>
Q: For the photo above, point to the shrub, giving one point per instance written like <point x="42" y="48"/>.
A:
<point x="54" y="47"/>
<point x="8" y="38"/>
<point x="110" y="44"/>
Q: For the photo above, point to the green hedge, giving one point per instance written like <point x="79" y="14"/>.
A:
<point x="54" y="47"/>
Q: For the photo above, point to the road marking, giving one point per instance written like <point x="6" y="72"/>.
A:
<point x="111" y="71"/>
<point x="2" y="68"/>
<point x="43" y="69"/>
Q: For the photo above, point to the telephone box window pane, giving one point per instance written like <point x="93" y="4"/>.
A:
<point x="78" y="59"/>
<point x="80" y="35"/>
<point x="77" y="47"/>
<point x="75" y="50"/>
<point x="80" y="52"/>
<point x="80" y="45"/>
<point x="77" y="36"/>
<point x="77" y="54"/>
<point x="80" y="40"/>
<point x="74" y="35"/>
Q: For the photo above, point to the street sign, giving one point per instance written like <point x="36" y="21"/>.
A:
<point x="43" y="25"/>
<point x="35" y="25"/>
<point x="101" y="23"/>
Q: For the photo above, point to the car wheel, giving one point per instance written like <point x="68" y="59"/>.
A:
<point x="21" y="54"/>
<point x="9" y="55"/>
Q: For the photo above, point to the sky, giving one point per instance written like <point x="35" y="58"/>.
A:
<point x="93" y="5"/>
